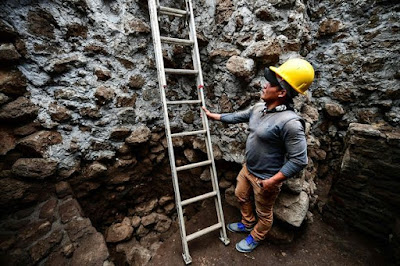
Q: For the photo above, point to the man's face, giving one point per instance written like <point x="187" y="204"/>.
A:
<point x="269" y="92"/>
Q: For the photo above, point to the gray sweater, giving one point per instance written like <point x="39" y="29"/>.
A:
<point x="276" y="141"/>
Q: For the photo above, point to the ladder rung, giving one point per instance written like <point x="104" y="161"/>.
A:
<point x="172" y="11"/>
<point x="176" y="41"/>
<point x="184" y="102"/>
<point x="188" y="133"/>
<point x="203" y="231"/>
<point x="181" y="71"/>
<point x="193" y="165"/>
<point x="198" y="198"/>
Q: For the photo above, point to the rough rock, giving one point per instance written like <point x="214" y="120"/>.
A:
<point x="7" y="142"/>
<point x="43" y="247"/>
<point x="38" y="142"/>
<point x="223" y="53"/>
<point x="231" y="198"/>
<point x="104" y="95"/>
<point x="292" y="209"/>
<point x="329" y="27"/>
<point x="92" y="250"/>
<point x="334" y="109"/>
<point x="48" y="209"/>
<point x="61" y="65"/>
<point x="136" y="82"/>
<point x="145" y="208"/>
<point x="241" y="67"/>
<point x="35" y="168"/>
<point x="12" y="190"/>
<point x="41" y="23"/>
<point x="119" y="232"/>
<point x="69" y="210"/>
<point x="150" y="219"/>
<point x="165" y="199"/>
<point x="139" y="135"/>
<point x="266" y="51"/>
<point x="19" y="110"/>
<point x="59" y="113"/>
<point x="295" y="184"/>
<point x="163" y="223"/>
<point x="136" y="25"/>
<point x="33" y="232"/>
<point x="206" y="175"/>
<point x="95" y="170"/>
<point x="120" y="133"/>
<point x="78" y="228"/>
<point x="63" y="189"/>
<point x="76" y="30"/>
<point x="135" y="253"/>
<point x="102" y="74"/>
<point x="142" y="231"/>
<point x="136" y="220"/>
<point x="8" y="52"/>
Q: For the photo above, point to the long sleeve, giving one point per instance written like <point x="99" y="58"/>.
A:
<point x="237" y="117"/>
<point x="296" y="148"/>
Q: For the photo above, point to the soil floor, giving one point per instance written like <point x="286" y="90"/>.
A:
<point x="316" y="244"/>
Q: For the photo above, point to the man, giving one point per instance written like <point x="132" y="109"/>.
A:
<point x="276" y="147"/>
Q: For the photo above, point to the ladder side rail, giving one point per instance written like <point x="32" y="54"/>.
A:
<point x="200" y="82"/>
<point x="162" y="82"/>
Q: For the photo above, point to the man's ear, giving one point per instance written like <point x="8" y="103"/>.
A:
<point x="282" y="93"/>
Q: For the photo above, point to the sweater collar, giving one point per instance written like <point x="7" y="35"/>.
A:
<point x="279" y="108"/>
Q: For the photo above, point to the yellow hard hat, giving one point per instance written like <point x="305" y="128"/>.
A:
<point x="297" y="72"/>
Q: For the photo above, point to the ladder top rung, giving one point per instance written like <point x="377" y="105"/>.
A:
<point x="176" y="41"/>
<point x="198" y="198"/>
<point x="172" y="11"/>
<point x="184" y="102"/>
<point x="203" y="231"/>
<point x="193" y="165"/>
<point x="181" y="71"/>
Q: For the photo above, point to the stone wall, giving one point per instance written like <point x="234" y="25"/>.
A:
<point x="80" y="106"/>
<point x="365" y="193"/>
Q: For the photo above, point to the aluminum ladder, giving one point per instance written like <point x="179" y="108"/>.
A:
<point x="155" y="11"/>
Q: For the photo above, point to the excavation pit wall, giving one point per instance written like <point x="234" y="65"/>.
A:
<point x="81" y="120"/>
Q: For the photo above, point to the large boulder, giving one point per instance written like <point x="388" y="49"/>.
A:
<point x="292" y="209"/>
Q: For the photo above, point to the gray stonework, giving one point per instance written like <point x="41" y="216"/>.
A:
<point x="81" y="118"/>
<point x="369" y="173"/>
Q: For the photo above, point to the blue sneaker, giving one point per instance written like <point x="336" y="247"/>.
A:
<point x="238" y="228"/>
<point x="247" y="245"/>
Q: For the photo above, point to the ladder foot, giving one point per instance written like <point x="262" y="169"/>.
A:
<point x="225" y="240"/>
<point x="187" y="258"/>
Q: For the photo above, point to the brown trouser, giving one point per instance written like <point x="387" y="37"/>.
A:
<point x="264" y="201"/>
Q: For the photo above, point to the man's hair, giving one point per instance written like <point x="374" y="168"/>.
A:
<point x="290" y="92"/>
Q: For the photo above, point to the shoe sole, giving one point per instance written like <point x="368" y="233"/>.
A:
<point x="243" y="250"/>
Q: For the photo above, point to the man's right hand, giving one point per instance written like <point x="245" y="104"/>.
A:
<point x="210" y="115"/>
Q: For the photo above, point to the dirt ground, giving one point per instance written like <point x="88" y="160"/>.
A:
<point x="317" y="244"/>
